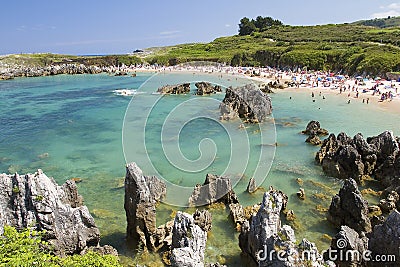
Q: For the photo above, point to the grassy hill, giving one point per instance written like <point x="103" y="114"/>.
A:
<point x="350" y="48"/>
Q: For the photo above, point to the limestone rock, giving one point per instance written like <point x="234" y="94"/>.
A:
<point x="35" y="200"/>
<point x="314" y="129"/>
<point x="141" y="196"/>
<point x="206" y="88"/>
<point x="176" y="89"/>
<point x="247" y="103"/>
<point x="314" y="140"/>
<point x="215" y="189"/>
<point x="252" y="186"/>
<point x="188" y="242"/>
<point x="385" y="239"/>
<point x="349" y="208"/>
<point x="203" y="218"/>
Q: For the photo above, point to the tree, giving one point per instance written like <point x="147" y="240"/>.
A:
<point x="246" y="27"/>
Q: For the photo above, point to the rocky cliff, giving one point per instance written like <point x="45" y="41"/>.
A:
<point x="35" y="200"/>
<point x="176" y="89"/>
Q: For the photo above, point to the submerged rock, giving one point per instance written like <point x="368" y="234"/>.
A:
<point x="247" y="103"/>
<point x="215" y="189"/>
<point x="176" y="89"/>
<point x="349" y="208"/>
<point x="206" y="88"/>
<point x="36" y="201"/>
<point x="141" y="196"/>
<point x="188" y="242"/>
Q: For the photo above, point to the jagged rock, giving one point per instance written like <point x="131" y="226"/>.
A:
<point x="349" y="208"/>
<point x="389" y="203"/>
<point x="188" y="242"/>
<point x="252" y="186"/>
<point x="348" y="247"/>
<point x="314" y="129"/>
<point x="267" y="90"/>
<point x="35" y="200"/>
<point x="203" y="219"/>
<point x="216" y="265"/>
<point x="314" y="140"/>
<point x="385" y="240"/>
<point x="215" y="189"/>
<point x="247" y="103"/>
<point x="263" y="235"/>
<point x="343" y="157"/>
<point x="236" y="213"/>
<point x="162" y="238"/>
<point x="176" y="89"/>
<point x="141" y="196"/>
<point x="206" y="88"/>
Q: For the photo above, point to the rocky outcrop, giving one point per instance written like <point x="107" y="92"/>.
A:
<point x="176" y="89"/>
<point x="215" y="189"/>
<point x="314" y="140"/>
<point x="314" y="129"/>
<point x="348" y="248"/>
<point x="247" y="103"/>
<point x="252" y="186"/>
<point x="344" y="157"/>
<point x="72" y="68"/>
<point x="263" y="238"/>
<point x="206" y="88"/>
<point x="141" y="196"/>
<point x="188" y="242"/>
<point x="203" y="219"/>
<point x="385" y="240"/>
<point x="349" y="208"/>
<point x="35" y="200"/>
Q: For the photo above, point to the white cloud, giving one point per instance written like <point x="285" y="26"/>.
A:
<point x="392" y="10"/>
<point x="169" y="32"/>
<point x="227" y="25"/>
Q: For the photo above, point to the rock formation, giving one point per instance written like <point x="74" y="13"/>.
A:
<point x="176" y="89"/>
<point x="206" y="88"/>
<point x="263" y="235"/>
<point x="188" y="242"/>
<point x="314" y="129"/>
<point x="349" y="208"/>
<point x="252" y="186"/>
<point x="247" y="103"/>
<point x="35" y="200"/>
<point x="215" y="189"/>
<point x="344" y="157"/>
<point x="347" y="248"/>
<point x="385" y="240"/>
<point x="141" y="196"/>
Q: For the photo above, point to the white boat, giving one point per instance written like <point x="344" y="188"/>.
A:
<point x="125" y="92"/>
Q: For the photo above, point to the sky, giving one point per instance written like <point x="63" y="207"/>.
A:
<point x="98" y="27"/>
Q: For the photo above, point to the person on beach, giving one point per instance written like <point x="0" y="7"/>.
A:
<point x="367" y="100"/>
<point x="348" y="102"/>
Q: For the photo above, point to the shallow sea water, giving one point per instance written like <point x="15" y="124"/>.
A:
<point x="72" y="126"/>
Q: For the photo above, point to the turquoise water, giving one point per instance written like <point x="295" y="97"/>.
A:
<point x="72" y="126"/>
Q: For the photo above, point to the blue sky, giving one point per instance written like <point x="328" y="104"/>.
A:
<point x="121" y="26"/>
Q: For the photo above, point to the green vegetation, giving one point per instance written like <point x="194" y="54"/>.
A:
<point x="381" y="23"/>
<point x="260" y="24"/>
<point x="25" y="249"/>
<point x="346" y="48"/>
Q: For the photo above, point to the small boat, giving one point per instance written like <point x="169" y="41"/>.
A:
<point x="125" y="92"/>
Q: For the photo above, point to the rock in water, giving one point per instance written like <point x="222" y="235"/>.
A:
<point x="141" y="196"/>
<point x="314" y="140"/>
<point x="176" y="89"/>
<point x="252" y="187"/>
<point x="385" y="239"/>
<point x="314" y="129"/>
<point x="188" y="242"/>
<point x="206" y="88"/>
<point x="247" y="103"/>
<point x="263" y="238"/>
<point x="215" y="189"/>
<point x="35" y="200"/>
<point x="350" y="208"/>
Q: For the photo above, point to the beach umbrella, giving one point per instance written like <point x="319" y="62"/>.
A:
<point x="359" y="77"/>
<point x="377" y="78"/>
